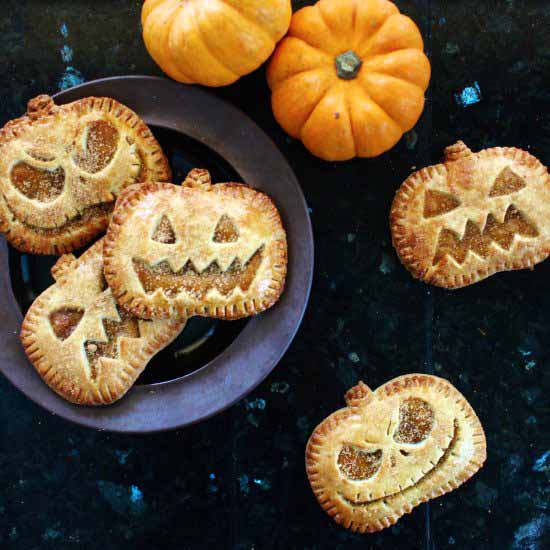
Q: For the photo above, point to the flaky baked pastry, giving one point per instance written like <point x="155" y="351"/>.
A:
<point x="196" y="249"/>
<point x="413" y="439"/>
<point x="476" y="214"/>
<point x="84" y="347"/>
<point x="61" y="168"/>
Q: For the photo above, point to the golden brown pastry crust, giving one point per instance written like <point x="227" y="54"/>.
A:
<point x="222" y="247"/>
<point x="91" y="149"/>
<point x="66" y="334"/>
<point x="413" y="439"/>
<point x="456" y="223"/>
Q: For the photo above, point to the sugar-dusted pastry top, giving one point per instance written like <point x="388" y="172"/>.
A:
<point x="196" y="249"/>
<point x="476" y="214"/>
<point x="413" y="439"/>
<point x="62" y="167"/>
<point x="82" y="344"/>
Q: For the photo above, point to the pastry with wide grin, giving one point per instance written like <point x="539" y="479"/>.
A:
<point x="84" y="347"/>
<point x="196" y="249"/>
<point x="476" y="214"/>
<point x="62" y="167"/>
<point x="413" y="439"/>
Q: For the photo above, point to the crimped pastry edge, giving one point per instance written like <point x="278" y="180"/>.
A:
<point x="106" y="394"/>
<point x="139" y="307"/>
<point x="356" y="397"/>
<point x="416" y="182"/>
<point x="77" y="232"/>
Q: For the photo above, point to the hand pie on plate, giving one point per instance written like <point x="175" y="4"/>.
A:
<point x="84" y="347"/>
<point x="476" y="214"/>
<point x="413" y="439"/>
<point x="61" y="168"/>
<point x="196" y="249"/>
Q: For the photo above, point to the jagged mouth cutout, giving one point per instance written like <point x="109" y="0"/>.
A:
<point x="188" y="278"/>
<point x="65" y="320"/>
<point x="416" y="421"/>
<point x="475" y="239"/>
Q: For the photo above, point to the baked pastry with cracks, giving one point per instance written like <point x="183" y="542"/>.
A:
<point x="61" y="168"/>
<point x="197" y="249"/>
<point x="81" y="343"/>
<point x="413" y="439"/>
<point x="456" y="223"/>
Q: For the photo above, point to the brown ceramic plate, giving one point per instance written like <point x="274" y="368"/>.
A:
<point x="212" y="364"/>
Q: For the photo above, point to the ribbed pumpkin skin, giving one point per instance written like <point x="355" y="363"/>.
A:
<point x="364" y="116"/>
<point x="213" y="42"/>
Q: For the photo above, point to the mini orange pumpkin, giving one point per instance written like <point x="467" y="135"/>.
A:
<point x="349" y="78"/>
<point x="213" y="42"/>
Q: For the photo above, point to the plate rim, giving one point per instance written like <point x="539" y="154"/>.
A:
<point x="100" y="418"/>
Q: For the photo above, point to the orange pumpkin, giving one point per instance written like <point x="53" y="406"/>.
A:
<point x="349" y="78"/>
<point x="213" y="42"/>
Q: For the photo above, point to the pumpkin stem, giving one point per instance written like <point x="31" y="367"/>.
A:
<point x="348" y="65"/>
<point x="457" y="151"/>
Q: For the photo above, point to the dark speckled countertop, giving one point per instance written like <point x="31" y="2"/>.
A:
<point x="238" y="481"/>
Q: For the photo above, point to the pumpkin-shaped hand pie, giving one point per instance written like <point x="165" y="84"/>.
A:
<point x="61" y="168"/>
<point x="349" y="78"/>
<point x="413" y="439"/>
<point x="456" y="223"/>
<point x="199" y="249"/>
<point x="84" y="347"/>
<point x="216" y="42"/>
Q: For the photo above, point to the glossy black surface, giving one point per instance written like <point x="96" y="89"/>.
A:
<point x="238" y="480"/>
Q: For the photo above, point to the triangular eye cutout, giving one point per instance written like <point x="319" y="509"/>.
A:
<point x="437" y="203"/>
<point x="65" y="320"/>
<point x="226" y="232"/>
<point x="164" y="233"/>
<point x="506" y="183"/>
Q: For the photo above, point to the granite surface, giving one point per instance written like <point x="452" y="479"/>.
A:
<point x="238" y="481"/>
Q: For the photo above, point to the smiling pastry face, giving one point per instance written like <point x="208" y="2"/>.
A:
<point x="456" y="223"/>
<point x="199" y="249"/>
<point x="413" y="439"/>
<point x="62" y="167"/>
<point x="81" y="343"/>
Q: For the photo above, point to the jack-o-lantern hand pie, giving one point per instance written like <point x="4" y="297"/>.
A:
<point x="82" y="344"/>
<point x="197" y="249"/>
<point x="413" y="439"/>
<point x="476" y="214"/>
<point x="62" y="167"/>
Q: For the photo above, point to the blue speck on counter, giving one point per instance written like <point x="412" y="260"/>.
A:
<point x="351" y="237"/>
<point x="262" y="483"/>
<point x="530" y="364"/>
<point x="64" y="30"/>
<point x="135" y="494"/>
<point x="451" y="540"/>
<point x="469" y="96"/>
<point x="71" y="77"/>
<point x="529" y="536"/>
<point x="253" y="420"/>
<point x="279" y="387"/>
<point x="51" y="534"/>
<point x="442" y="21"/>
<point x="243" y="484"/>
<point x="122" y="456"/>
<point x="212" y="487"/>
<point x="123" y="500"/>
<point x="256" y="404"/>
<point x="411" y="139"/>
<point x="66" y="54"/>
<point x="543" y="463"/>
<point x="525" y="352"/>
<point x="353" y="357"/>
<point x="531" y="420"/>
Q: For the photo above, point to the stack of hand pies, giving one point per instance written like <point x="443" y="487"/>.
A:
<point x="69" y="173"/>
